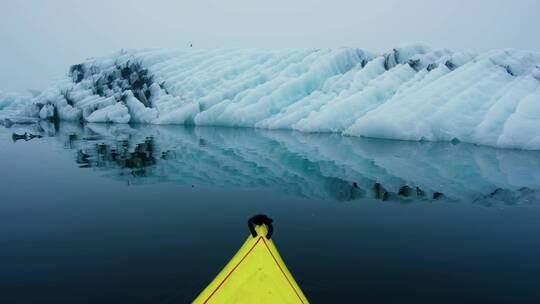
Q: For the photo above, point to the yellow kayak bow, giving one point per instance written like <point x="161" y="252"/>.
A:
<point x="256" y="274"/>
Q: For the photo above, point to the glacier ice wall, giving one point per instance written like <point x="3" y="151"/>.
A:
<point x="408" y="93"/>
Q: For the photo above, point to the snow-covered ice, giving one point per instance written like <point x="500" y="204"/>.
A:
<point x="408" y="93"/>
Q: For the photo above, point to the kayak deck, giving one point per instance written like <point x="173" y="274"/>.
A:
<point x="256" y="274"/>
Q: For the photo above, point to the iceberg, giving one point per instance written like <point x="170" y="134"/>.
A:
<point x="408" y="93"/>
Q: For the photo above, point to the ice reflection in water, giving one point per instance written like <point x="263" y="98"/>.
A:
<point x="322" y="166"/>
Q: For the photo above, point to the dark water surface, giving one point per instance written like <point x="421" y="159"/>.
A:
<point x="150" y="214"/>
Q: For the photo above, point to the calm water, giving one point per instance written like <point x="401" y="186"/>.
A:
<point x="150" y="214"/>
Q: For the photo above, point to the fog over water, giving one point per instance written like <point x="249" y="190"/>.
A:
<point x="40" y="39"/>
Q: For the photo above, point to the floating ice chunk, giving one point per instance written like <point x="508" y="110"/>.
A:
<point x="68" y="112"/>
<point x="522" y="129"/>
<point x="139" y="113"/>
<point x="47" y="112"/>
<point x="183" y="115"/>
<point x="13" y="102"/>
<point x="117" y="113"/>
<point x="408" y="93"/>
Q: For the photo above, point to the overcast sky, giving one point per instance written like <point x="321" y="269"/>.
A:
<point x="40" y="39"/>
